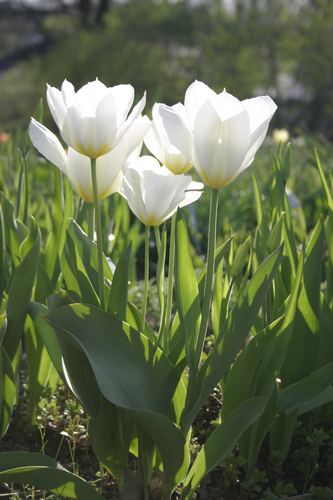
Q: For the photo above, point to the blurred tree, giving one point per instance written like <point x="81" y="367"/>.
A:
<point x="282" y="47"/>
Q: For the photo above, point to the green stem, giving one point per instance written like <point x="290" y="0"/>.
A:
<point x="99" y="234"/>
<point x="171" y="270"/>
<point x="146" y="279"/>
<point x="158" y="240"/>
<point x="20" y="186"/>
<point x="91" y="221"/>
<point x="208" y="290"/>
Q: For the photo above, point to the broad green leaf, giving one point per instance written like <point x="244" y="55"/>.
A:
<point x="304" y="395"/>
<point x="222" y="441"/>
<point x="221" y="251"/>
<point x="15" y="232"/>
<point x="110" y="434"/>
<point x="7" y="391"/>
<point x="19" y="296"/>
<point x="255" y="371"/>
<point x="62" y="210"/>
<point x="39" y="366"/>
<point x="329" y="240"/>
<point x="119" y="287"/>
<point x="302" y="353"/>
<point x="234" y="333"/>
<point x="325" y="349"/>
<point x="46" y="334"/>
<point x="241" y="258"/>
<point x="79" y="264"/>
<point x="187" y="291"/>
<point x="301" y="397"/>
<point x="260" y="213"/>
<point x="130" y="372"/>
<point x="3" y="270"/>
<point x="44" y="473"/>
<point x="324" y="181"/>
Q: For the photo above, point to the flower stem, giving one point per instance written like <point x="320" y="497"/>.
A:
<point x="91" y="221"/>
<point x="146" y="278"/>
<point x="208" y="290"/>
<point x="98" y="233"/>
<point x="171" y="269"/>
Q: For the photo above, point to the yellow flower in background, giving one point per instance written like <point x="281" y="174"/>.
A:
<point x="280" y="135"/>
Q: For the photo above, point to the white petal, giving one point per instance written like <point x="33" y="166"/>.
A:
<point x="136" y="111"/>
<point x="131" y="190"/>
<point x="107" y="119"/>
<point x="162" y="194"/>
<point x="71" y="128"/>
<point x="177" y="130"/>
<point x="123" y="97"/>
<point x="220" y="146"/>
<point x="68" y="93"/>
<point x="192" y="193"/>
<point x="88" y="97"/>
<point x="196" y="95"/>
<point x="134" y="136"/>
<point x="153" y="142"/>
<point x="79" y="173"/>
<point x="109" y="166"/>
<point x="227" y="105"/>
<point x="56" y="105"/>
<point x="47" y="144"/>
<point x="260" y="111"/>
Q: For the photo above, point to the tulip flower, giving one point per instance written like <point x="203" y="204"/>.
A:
<point x="95" y="118"/>
<point x="218" y="133"/>
<point x="280" y="136"/>
<point x="100" y="134"/>
<point x="77" y="166"/>
<point x="153" y="193"/>
<point x="159" y="145"/>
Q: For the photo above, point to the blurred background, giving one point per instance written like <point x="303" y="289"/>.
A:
<point x="251" y="47"/>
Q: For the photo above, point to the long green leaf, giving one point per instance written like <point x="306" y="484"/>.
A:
<point x="44" y="473"/>
<point x="130" y="372"/>
<point x="222" y="441"/>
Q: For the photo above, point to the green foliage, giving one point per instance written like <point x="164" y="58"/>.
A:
<point x="45" y="473"/>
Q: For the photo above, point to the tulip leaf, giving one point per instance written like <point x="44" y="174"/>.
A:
<point x="232" y="337"/>
<point x="129" y="371"/>
<point x="220" y="252"/>
<point x="62" y="209"/>
<point x="19" y="296"/>
<point x="3" y="267"/>
<point x="119" y="287"/>
<point x="307" y="394"/>
<point x="329" y="239"/>
<point x="14" y="231"/>
<point x="324" y="182"/>
<point x="79" y="264"/>
<point x="303" y="348"/>
<point x="187" y="291"/>
<point x="47" y="336"/>
<point x="7" y="391"/>
<point x="222" y="441"/>
<point x="44" y="473"/>
<point x="110" y="434"/>
<point x="39" y="365"/>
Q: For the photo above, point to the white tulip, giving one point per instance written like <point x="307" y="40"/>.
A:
<point x="153" y="193"/>
<point x="158" y="143"/>
<point x="77" y="167"/>
<point x="95" y="118"/>
<point x="219" y="134"/>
